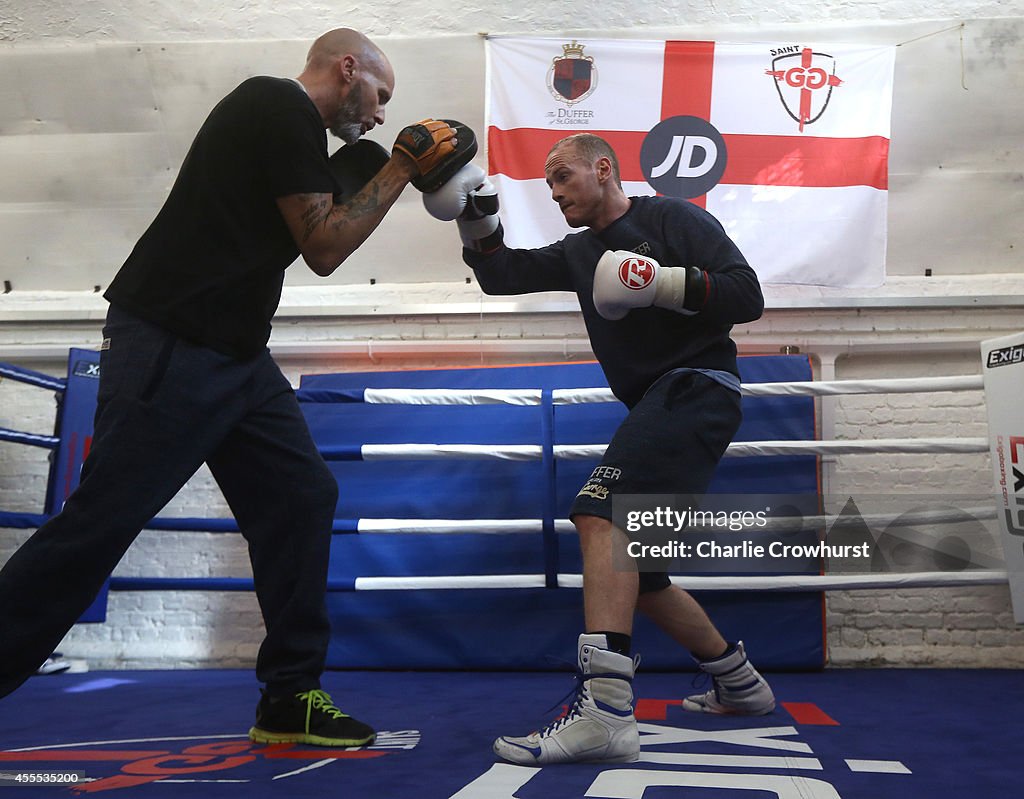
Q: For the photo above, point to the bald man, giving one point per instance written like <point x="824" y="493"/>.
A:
<point x="186" y="376"/>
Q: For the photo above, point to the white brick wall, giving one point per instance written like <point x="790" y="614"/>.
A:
<point x="24" y="470"/>
<point x="939" y="628"/>
<point x="956" y="627"/>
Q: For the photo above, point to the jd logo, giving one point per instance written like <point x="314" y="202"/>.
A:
<point x="683" y="156"/>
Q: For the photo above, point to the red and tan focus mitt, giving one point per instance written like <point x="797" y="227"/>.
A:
<point x="439" y="148"/>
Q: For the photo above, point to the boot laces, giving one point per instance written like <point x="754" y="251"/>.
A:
<point x="320" y="700"/>
<point x="578" y="693"/>
<point x="700" y="683"/>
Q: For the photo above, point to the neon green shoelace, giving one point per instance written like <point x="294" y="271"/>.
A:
<point x="319" y="700"/>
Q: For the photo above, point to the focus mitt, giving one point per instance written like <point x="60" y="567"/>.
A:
<point x="429" y="145"/>
<point x="355" y="165"/>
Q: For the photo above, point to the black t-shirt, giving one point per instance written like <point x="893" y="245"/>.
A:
<point x="647" y="342"/>
<point x="211" y="265"/>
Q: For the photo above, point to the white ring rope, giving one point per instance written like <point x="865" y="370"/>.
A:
<point x="577" y="396"/>
<point x="878" y="520"/>
<point x="421" y="452"/>
<point x="744" y="449"/>
<point x="913" y="518"/>
<point x="737" y="449"/>
<point x="796" y="582"/>
<point x="451" y="396"/>
<point x="899" y="385"/>
<point x="823" y="388"/>
<point x="444" y="526"/>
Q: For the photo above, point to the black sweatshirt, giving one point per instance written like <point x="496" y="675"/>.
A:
<point x="648" y="342"/>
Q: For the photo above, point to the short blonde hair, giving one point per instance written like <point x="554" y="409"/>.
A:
<point x="590" y="147"/>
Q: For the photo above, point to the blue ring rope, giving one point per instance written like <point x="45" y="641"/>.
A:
<point x="32" y="378"/>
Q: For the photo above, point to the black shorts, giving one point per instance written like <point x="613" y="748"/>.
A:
<point x="670" y="443"/>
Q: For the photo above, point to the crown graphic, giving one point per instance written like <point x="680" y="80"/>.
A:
<point x="574" y="50"/>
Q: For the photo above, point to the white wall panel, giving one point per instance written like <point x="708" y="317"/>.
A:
<point x="183" y="20"/>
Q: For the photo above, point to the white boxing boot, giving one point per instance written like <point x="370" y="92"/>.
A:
<point x="599" y="725"/>
<point x="736" y="687"/>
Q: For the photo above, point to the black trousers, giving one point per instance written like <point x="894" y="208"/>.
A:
<point x="670" y="443"/>
<point x="165" y="407"/>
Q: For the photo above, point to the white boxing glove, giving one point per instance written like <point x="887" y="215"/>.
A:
<point x="479" y="225"/>
<point x="624" y="280"/>
<point x="472" y="200"/>
<point x="449" y="201"/>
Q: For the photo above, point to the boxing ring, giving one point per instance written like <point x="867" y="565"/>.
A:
<point x="435" y="397"/>
<point x="823" y="741"/>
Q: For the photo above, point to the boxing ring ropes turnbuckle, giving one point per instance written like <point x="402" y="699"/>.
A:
<point x="549" y="452"/>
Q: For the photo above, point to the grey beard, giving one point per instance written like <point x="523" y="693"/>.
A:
<point x="346" y="123"/>
<point x="348" y="132"/>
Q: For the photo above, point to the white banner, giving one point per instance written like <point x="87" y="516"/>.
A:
<point x="786" y="144"/>
<point x="1003" y="369"/>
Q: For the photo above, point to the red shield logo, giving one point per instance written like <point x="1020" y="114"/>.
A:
<point x="636" y="273"/>
<point x="573" y="77"/>
<point x="804" y="82"/>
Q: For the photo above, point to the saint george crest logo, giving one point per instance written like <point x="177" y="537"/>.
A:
<point x="573" y="76"/>
<point x="804" y="80"/>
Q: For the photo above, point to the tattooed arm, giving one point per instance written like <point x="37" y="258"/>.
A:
<point x="326" y="233"/>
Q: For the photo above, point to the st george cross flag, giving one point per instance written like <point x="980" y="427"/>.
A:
<point x="787" y="144"/>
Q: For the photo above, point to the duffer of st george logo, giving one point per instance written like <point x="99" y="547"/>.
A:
<point x="573" y="76"/>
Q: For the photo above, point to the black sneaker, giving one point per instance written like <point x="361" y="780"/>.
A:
<point x="307" y="718"/>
